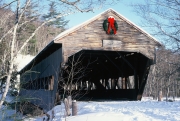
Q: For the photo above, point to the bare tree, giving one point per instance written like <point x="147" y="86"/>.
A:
<point x="66" y="7"/>
<point x="164" y="74"/>
<point x="161" y="17"/>
<point x="73" y="72"/>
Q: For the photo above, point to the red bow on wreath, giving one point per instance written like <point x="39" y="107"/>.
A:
<point x="110" y="25"/>
<point x="111" y="22"/>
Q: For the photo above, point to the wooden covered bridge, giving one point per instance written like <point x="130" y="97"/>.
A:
<point x="106" y="57"/>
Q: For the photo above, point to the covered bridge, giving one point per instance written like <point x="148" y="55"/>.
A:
<point x="105" y="58"/>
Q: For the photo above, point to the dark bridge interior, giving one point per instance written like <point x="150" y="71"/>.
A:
<point x="105" y="75"/>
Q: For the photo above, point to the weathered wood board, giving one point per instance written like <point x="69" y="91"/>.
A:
<point x="91" y="35"/>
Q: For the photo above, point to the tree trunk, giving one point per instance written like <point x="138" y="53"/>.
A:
<point x="7" y="85"/>
<point x="160" y="96"/>
<point x="174" y="90"/>
<point x="11" y="62"/>
<point x="68" y="113"/>
<point x="167" y="93"/>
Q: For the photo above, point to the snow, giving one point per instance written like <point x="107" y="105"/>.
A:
<point x="22" y="60"/>
<point x="145" y="110"/>
<point x="5" y="112"/>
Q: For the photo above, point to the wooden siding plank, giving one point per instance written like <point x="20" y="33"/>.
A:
<point x="91" y="36"/>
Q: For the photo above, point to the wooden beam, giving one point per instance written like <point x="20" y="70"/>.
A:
<point x="107" y="83"/>
<point x="143" y="79"/>
<point x="113" y="83"/>
<point x="128" y="83"/>
<point x="126" y="61"/>
<point x="119" y="83"/>
<point x="103" y="83"/>
<point x="113" y="63"/>
<point x="134" y="69"/>
<point x="135" y="74"/>
<point x="123" y="83"/>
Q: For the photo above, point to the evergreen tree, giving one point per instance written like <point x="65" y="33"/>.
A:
<point x="60" y="22"/>
<point x="26" y="30"/>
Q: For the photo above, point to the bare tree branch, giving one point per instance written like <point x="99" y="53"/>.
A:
<point x="8" y="4"/>
<point x="32" y="35"/>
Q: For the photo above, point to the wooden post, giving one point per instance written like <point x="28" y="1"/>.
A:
<point x="119" y="83"/>
<point x="103" y="82"/>
<point x="110" y="86"/>
<point x="93" y="86"/>
<point x="113" y="86"/>
<point x="160" y="96"/>
<point x="89" y="85"/>
<point x="107" y="83"/>
<point x="76" y="86"/>
<point x="129" y="83"/>
<point x="125" y="82"/>
<point x="81" y="85"/>
<point x="58" y="99"/>
<point x="69" y="101"/>
<point x="122" y="84"/>
<point x="74" y="108"/>
<point x="68" y="113"/>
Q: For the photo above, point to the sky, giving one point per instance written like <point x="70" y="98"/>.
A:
<point x="122" y="7"/>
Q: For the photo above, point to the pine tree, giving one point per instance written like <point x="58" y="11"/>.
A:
<point x="60" y="22"/>
<point x="26" y="30"/>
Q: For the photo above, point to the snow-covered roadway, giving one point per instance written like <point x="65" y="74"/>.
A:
<point x="146" y="110"/>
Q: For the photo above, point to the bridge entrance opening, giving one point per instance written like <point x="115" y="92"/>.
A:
<point x="105" y="75"/>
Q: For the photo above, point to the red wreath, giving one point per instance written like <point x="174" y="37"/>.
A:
<point x="112" y="26"/>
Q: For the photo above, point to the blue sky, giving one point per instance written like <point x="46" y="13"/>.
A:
<point x="123" y="7"/>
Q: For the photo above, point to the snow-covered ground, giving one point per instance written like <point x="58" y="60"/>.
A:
<point x="145" y="110"/>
